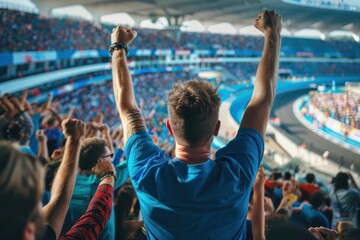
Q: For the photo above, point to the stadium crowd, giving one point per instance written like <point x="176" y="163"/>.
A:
<point x="293" y="199"/>
<point x="90" y="100"/>
<point x="42" y="34"/>
<point x="87" y="193"/>
<point x="344" y="107"/>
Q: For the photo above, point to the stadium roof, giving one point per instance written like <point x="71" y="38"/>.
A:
<point x="240" y="13"/>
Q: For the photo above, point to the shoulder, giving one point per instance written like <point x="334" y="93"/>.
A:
<point x="85" y="182"/>
<point x="139" y="143"/>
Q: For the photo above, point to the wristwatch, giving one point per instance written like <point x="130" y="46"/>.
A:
<point x="118" y="45"/>
<point x="108" y="174"/>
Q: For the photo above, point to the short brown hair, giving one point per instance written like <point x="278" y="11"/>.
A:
<point x="21" y="188"/>
<point x="193" y="111"/>
<point x="91" y="150"/>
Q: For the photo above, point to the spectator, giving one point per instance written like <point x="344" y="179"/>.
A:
<point x="308" y="188"/>
<point x="344" y="200"/>
<point x="175" y="194"/>
<point x="275" y="181"/>
<point x="311" y="213"/>
<point x="94" y="151"/>
<point x="21" y="182"/>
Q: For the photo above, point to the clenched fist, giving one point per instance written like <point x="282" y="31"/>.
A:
<point x="102" y="167"/>
<point x="40" y="136"/>
<point x="260" y="179"/>
<point x="268" y="22"/>
<point x="73" y="128"/>
<point x="123" y="34"/>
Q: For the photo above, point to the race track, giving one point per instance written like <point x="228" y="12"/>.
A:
<point x="299" y="134"/>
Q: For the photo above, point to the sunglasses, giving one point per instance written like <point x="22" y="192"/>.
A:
<point x="111" y="155"/>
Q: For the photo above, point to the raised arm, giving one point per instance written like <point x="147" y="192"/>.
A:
<point x="42" y="139"/>
<point x="63" y="185"/>
<point x="258" y="213"/>
<point x="258" y="110"/>
<point x="130" y="114"/>
<point x="105" y="133"/>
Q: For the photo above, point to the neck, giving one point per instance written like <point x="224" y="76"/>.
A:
<point x="192" y="155"/>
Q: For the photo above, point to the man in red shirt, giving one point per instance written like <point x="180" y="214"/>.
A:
<point x="308" y="188"/>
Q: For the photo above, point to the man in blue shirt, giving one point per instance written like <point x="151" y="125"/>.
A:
<point x="93" y="151"/>
<point x="311" y="214"/>
<point x="192" y="196"/>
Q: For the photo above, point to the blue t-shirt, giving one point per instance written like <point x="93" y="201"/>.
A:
<point x="313" y="218"/>
<point x="198" y="201"/>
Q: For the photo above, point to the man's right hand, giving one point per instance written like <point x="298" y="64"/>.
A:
<point x="268" y="22"/>
<point x="123" y="34"/>
<point x="73" y="128"/>
<point x="102" y="167"/>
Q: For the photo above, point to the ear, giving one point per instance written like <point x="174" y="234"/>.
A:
<point x="216" y="132"/>
<point x="29" y="231"/>
<point x="99" y="160"/>
<point x="169" y="127"/>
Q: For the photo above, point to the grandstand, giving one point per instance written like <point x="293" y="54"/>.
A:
<point x="55" y="54"/>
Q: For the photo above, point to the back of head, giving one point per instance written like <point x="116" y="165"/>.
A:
<point x="51" y="122"/>
<point x="343" y="226"/>
<point x="350" y="234"/>
<point x="13" y="131"/>
<point x="287" y="176"/>
<point x="317" y="199"/>
<point x="91" y="150"/>
<point x="193" y="111"/>
<point x="288" y="230"/>
<point x="21" y="188"/>
<point x="341" y="181"/>
<point x="310" y="178"/>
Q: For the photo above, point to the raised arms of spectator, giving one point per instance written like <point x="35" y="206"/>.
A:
<point x="14" y="110"/>
<point x="63" y="185"/>
<point x="42" y="139"/>
<point x="105" y="133"/>
<point x="56" y="114"/>
<point x="70" y="113"/>
<point x="258" y="110"/>
<point x="258" y="213"/>
<point x="130" y="114"/>
<point x="47" y="103"/>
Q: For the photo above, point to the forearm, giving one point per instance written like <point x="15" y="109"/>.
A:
<point x="124" y="95"/>
<point x="65" y="178"/>
<point x="58" y="117"/>
<point x="43" y="151"/>
<point x="282" y="204"/>
<point x="122" y="82"/>
<point x="258" y="217"/>
<point x="107" y="138"/>
<point x="267" y="72"/>
<point x="63" y="186"/>
<point x="69" y="113"/>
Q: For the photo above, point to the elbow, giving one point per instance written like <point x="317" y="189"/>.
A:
<point x="264" y="98"/>
<point x="263" y="101"/>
